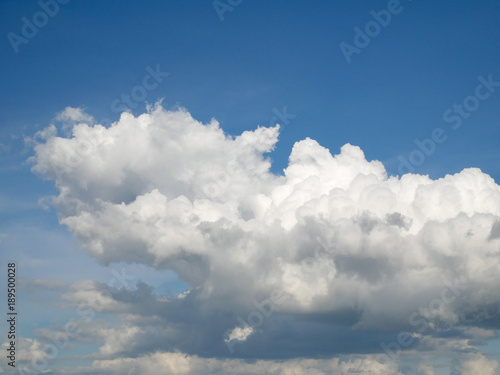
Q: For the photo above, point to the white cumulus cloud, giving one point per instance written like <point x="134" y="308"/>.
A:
<point x="346" y="244"/>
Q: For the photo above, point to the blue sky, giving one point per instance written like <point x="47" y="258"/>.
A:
<point x="262" y="60"/>
<point x="263" y="56"/>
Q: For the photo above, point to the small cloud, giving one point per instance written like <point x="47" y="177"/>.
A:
<point x="239" y="333"/>
<point x="70" y="114"/>
<point x="37" y="284"/>
<point x="4" y="148"/>
<point x="478" y="364"/>
<point x="44" y="202"/>
<point x="183" y="295"/>
<point x="46" y="133"/>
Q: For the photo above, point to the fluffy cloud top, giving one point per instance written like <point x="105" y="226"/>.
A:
<point x="335" y="239"/>
<point x="478" y="364"/>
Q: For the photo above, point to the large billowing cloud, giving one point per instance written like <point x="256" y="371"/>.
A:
<point x="325" y="259"/>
